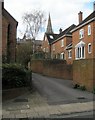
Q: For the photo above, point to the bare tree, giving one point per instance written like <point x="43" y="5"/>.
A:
<point x="34" y="21"/>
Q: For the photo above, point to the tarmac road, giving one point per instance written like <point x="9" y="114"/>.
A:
<point x="59" y="91"/>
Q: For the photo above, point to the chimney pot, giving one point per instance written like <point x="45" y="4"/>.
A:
<point x="94" y="6"/>
<point x="2" y="4"/>
<point x="60" y="30"/>
<point x="80" y="16"/>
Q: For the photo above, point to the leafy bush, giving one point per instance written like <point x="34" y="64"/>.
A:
<point x="82" y="87"/>
<point x="14" y="75"/>
<point x="76" y="86"/>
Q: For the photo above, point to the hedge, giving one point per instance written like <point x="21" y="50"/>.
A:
<point x="15" y="75"/>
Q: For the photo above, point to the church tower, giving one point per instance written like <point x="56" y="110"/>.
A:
<point x="49" y="26"/>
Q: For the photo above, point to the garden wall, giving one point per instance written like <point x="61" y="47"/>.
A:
<point x="84" y="73"/>
<point x="52" y="68"/>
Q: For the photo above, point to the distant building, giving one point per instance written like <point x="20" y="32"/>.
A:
<point x="37" y="44"/>
<point x="9" y="30"/>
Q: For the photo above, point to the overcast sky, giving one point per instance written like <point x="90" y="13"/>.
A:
<point x="63" y="12"/>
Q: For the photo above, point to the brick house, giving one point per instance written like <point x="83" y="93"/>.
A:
<point x="49" y="37"/>
<point x="60" y="44"/>
<point x="83" y="38"/>
<point x="55" y="45"/>
<point x="9" y="29"/>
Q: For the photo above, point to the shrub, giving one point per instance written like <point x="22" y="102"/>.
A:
<point x="76" y="86"/>
<point x="14" y="75"/>
<point x="82" y="87"/>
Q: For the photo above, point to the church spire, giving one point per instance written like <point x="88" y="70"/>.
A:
<point x="49" y="26"/>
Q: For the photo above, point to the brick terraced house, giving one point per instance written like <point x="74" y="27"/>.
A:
<point x="83" y="38"/>
<point x="59" y="45"/>
<point x="74" y="43"/>
<point x="9" y="30"/>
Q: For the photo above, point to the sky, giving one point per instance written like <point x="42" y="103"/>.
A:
<point x="63" y="12"/>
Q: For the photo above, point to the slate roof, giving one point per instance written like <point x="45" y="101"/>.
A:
<point x="91" y="16"/>
<point x="69" y="46"/>
<point x="51" y="37"/>
<point x="54" y="37"/>
<point x="66" y="31"/>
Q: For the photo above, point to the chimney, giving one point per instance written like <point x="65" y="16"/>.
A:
<point x="2" y="4"/>
<point x="94" y="6"/>
<point x="80" y="17"/>
<point x="60" y="30"/>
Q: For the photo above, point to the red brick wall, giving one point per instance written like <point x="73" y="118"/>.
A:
<point x="83" y="73"/>
<point x="53" y="68"/>
<point x="4" y="35"/>
<point x="9" y="20"/>
<point x="45" y="44"/>
<point x="69" y="60"/>
<point x="87" y="39"/>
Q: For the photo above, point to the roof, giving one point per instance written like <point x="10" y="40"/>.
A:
<point x="5" y="12"/>
<point x="69" y="46"/>
<point x="86" y="20"/>
<point x="38" y="42"/>
<point x="51" y="37"/>
<point x="55" y="37"/>
<point x="66" y="31"/>
<point x="92" y="15"/>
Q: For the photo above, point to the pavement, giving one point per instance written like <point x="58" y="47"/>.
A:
<point x="32" y="105"/>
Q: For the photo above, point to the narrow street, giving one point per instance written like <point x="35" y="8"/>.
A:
<point x="59" y="91"/>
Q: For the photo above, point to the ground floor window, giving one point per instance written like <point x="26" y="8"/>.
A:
<point x="80" y="50"/>
<point x="70" y="54"/>
<point x="62" y="56"/>
<point x="89" y="48"/>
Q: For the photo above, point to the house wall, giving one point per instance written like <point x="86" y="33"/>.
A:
<point x="45" y="45"/>
<point x="68" y="60"/>
<point x="94" y="39"/>
<point x="83" y="73"/>
<point x="52" y="68"/>
<point x="61" y="49"/>
<point x="4" y="35"/>
<point x="12" y="35"/>
<point x="87" y="39"/>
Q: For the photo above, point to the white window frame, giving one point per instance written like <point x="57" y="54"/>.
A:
<point x="89" y="29"/>
<point x="61" y="56"/>
<point x="81" y="33"/>
<point x="79" y="52"/>
<point x="62" y="43"/>
<point x="70" y="54"/>
<point x="44" y="49"/>
<point x="89" y="45"/>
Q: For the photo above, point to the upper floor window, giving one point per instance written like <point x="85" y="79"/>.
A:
<point x="62" y="43"/>
<point x="70" y="54"/>
<point x="89" y="48"/>
<point x="89" y="29"/>
<point x="81" y="33"/>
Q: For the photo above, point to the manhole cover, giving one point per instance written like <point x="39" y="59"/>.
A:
<point x="21" y="100"/>
<point x="81" y="97"/>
